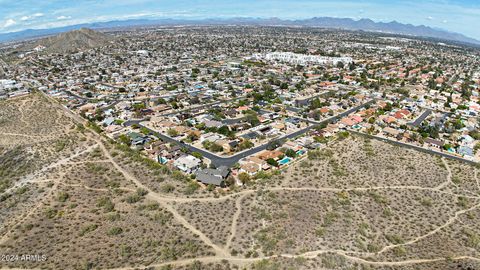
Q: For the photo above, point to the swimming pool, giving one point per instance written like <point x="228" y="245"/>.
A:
<point x="284" y="160"/>
<point x="163" y="160"/>
<point x="300" y="152"/>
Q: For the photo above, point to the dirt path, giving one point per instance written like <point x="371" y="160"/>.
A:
<point x="446" y="224"/>
<point x="31" y="177"/>
<point x="450" y="182"/>
<point x="222" y="253"/>
<point x="164" y="203"/>
<point x="309" y="255"/>
<point x="43" y="199"/>
<point x="24" y="135"/>
<point x="449" y="176"/>
<point x="22" y="113"/>
<point x="476" y="179"/>
<point x="168" y="198"/>
<point x="96" y="189"/>
<point x="233" y="229"/>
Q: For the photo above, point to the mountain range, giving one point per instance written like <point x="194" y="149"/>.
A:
<point x="322" y="22"/>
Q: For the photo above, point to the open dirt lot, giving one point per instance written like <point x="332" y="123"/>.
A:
<point x="85" y="203"/>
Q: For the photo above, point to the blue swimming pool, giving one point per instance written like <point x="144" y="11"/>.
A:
<point x="300" y="152"/>
<point x="284" y="160"/>
<point x="163" y="160"/>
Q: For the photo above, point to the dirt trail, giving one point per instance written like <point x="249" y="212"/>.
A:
<point x="31" y="177"/>
<point x="161" y="200"/>
<point x="222" y="253"/>
<point x="43" y="199"/>
<point x="233" y="229"/>
<point x="446" y="224"/>
<point x="24" y="135"/>
<point x="168" y="198"/>
<point x="309" y="255"/>
<point x="449" y="176"/>
<point x="96" y="189"/>
<point x="476" y="179"/>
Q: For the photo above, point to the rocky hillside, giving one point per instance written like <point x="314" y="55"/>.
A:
<point x="3" y="65"/>
<point x="77" y="40"/>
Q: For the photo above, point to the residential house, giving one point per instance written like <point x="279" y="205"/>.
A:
<point x="213" y="176"/>
<point x="187" y="163"/>
<point x="434" y="143"/>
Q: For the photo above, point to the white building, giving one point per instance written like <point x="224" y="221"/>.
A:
<point x="187" y="163"/>
<point x="8" y="84"/>
<point x="303" y="59"/>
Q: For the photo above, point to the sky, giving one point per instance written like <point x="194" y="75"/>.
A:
<point x="461" y="16"/>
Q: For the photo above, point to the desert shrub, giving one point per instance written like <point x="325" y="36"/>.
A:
<point x="88" y="228"/>
<point x="115" y="231"/>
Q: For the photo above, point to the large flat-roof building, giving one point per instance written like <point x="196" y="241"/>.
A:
<point x="304" y="59"/>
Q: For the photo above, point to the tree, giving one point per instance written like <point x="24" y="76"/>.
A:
<point x="197" y="155"/>
<point x="225" y="130"/>
<point x="273" y="145"/>
<point x="144" y="130"/>
<point x="343" y="135"/>
<point x="315" y="104"/>
<point x="388" y="107"/>
<point x="252" y="119"/>
<point x="139" y="106"/>
<point x="172" y="132"/>
<point x="245" y="144"/>
<point x="352" y="67"/>
<point x="290" y="153"/>
<point x="215" y="147"/>
<point x="272" y="162"/>
<point x="476" y="147"/>
<point x="192" y="136"/>
<point x="458" y="124"/>
<point x="124" y="139"/>
<point x="244" y="177"/>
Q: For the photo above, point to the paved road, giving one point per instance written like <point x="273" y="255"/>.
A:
<point x="415" y="147"/>
<point x="133" y="122"/>
<point x="230" y="161"/>
<point x="293" y="109"/>
<point x="233" y="120"/>
<point x="421" y="118"/>
<point x="203" y="106"/>
<point x="323" y="121"/>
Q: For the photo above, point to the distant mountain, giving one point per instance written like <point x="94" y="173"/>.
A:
<point x="390" y="27"/>
<point x="74" y="40"/>
<point x="323" y="22"/>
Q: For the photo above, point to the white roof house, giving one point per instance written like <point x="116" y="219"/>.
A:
<point x="187" y="163"/>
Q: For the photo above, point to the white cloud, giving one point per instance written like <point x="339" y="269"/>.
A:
<point x="429" y="18"/>
<point x="8" y="23"/>
<point x="444" y="21"/>
<point x="63" y="17"/>
<point x="31" y="17"/>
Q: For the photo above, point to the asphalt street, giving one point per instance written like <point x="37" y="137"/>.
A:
<point x="230" y="161"/>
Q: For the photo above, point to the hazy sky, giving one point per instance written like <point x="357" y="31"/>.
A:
<point x="461" y="16"/>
